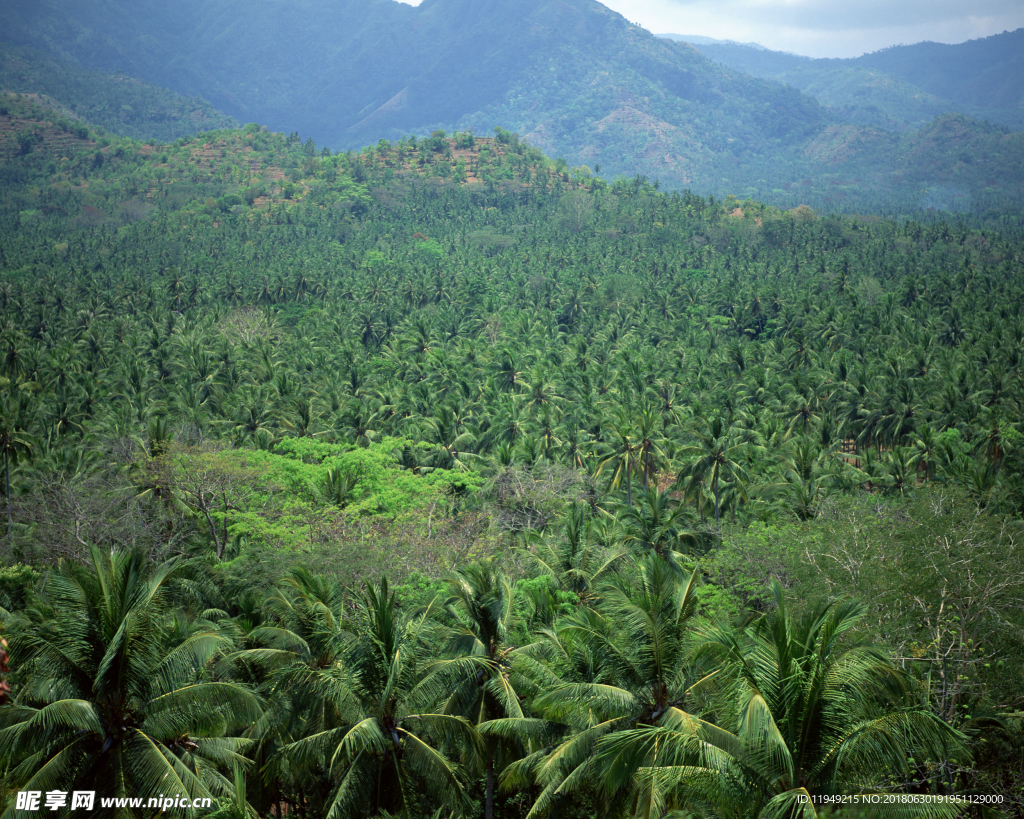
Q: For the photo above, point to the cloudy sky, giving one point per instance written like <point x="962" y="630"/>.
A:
<point x="825" y="28"/>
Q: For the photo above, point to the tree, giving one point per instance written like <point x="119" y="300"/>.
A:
<point x="14" y="443"/>
<point x="116" y="691"/>
<point x="206" y="481"/>
<point x="300" y="627"/>
<point x="712" y="459"/>
<point x="624" y="454"/>
<point x="801" y="710"/>
<point x="655" y="525"/>
<point x="601" y="672"/>
<point x="810" y="475"/>
<point x="5" y="669"/>
<point x="572" y="556"/>
<point x="478" y="633"/>
<point x="650" y="441"/>
<point x="387" y="751"/>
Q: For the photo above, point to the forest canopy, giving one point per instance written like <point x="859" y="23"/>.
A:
<point x="443" y="478"/>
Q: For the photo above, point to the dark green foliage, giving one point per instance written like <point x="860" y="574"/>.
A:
<point x="569" y="450"/>
<point x="114" y="692"/>
<point x="119" y="104"/>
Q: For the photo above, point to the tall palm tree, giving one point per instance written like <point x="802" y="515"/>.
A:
<point x="478" y="633"/>
<point x="116" y="691"/>
<point x="623" y="454"/>
<point x="574" y="556"/>
<point x="655" y="525"/>
<point x="387" y="750"/>
<point x="599" y="672"/>
<point x="301" y="626"/>
<point x="14" y="440"/>
<point x="650" y="442"/>
<point x="712" y="459"/>
<point x="810" y="475"/>
<point x="801" y="710"/>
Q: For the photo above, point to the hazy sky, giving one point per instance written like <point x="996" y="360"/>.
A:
<point x="825" y="28"/>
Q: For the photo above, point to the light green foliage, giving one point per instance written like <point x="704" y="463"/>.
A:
<point x="383" y="488"/>
<point x="290" y="506"/>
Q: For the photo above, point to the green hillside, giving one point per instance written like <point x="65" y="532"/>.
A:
<point x="984" y="74"/>
<point x="577" y="81"/>
<point x="576" y="76"/>
<point x="443" y="479"/>
<point x="122" y="105"/>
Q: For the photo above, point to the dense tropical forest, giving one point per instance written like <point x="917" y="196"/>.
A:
<point x="442" y="479"/>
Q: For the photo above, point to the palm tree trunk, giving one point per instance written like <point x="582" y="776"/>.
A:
<point x="7" y="484"/>
<point x="718" y="524"/>
<point x="489" y="808"/>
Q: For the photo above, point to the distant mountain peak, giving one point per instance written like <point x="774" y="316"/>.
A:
<point x="698" y="39"/>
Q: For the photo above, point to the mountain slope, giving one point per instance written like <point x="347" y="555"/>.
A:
<point x="577" y="79"/>
<point x="119" y="104"/>
<point x="348" y="73"/>
<point x="901" y="86"/>
<point x="983" y="73"/>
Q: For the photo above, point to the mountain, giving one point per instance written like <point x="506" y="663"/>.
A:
<point x="576" y="79"/>
<point x="698" y="39"/>
<point x="116" y="103"/>
<point x="574" y="76"/>
<point x="902" y="86"/>
<point x="984" y="74"/>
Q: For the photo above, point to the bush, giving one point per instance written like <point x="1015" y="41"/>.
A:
<point x="16" y="585"/>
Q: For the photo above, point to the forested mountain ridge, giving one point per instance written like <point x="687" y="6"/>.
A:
<point x="119" y="104"/>
<point x="902" y="86"/>
<point x="576" y="79"/>
<point x="402" y="467"/>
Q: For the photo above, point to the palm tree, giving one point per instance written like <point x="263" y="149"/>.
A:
<point x="386" y="751"/>
<point x="454" y="442"/>
<point x="802" y="406"/>
<point x="14" y="442"/>
<point x="810" y="475"/>
<point x="899" y="470"/>
<point x="655" y="525"/>
<point x="573" y="556"/>
<point x="301" y="626"/>
<point x="801" y="710"/>
<point x="599" y="672"/>
<point x="650" y="441"/>
<point x="116" y="691"/>
<point x="357" y="422"/>
<point x="712" y="459"/>
<point x="478" y="633"/>
<point x="926" y="451"/>
<point x="624" y="454"/>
